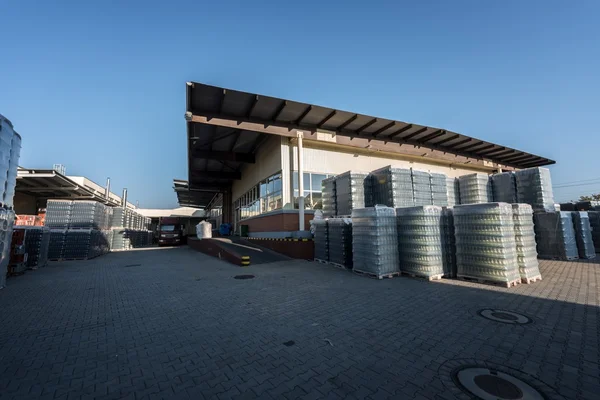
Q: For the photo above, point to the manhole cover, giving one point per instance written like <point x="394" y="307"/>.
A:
<point x="504" y="316"/>
<point x="243" y="277"/>
<point x="490" y="384"/>
<point x="468" y="379"/>
<point x="289" y="343"/>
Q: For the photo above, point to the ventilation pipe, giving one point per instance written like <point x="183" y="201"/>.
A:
<point x="107" y="191"/>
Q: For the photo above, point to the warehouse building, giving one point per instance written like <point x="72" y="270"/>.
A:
<point x="246" y="153"/>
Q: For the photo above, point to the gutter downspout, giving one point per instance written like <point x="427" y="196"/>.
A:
<point x="300" y="182"/>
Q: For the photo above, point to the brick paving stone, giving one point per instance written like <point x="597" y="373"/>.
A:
<point x="179" y="326"/>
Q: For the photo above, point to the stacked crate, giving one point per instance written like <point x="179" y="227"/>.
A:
<point x="374" y="241"/>
<point x="58" y="214"/>
<point x="475" y="188"/>
<point x="57" y="242"/>
<point x="350" y="190"/>
<point x="453" y="190"/>
<point x="340" y="241"/>
<point x="321" y="240"/>
<point x="328" y="196"/>
<point x="583" y="235"/>
<point x="594" y="217"/>
<point x="504" y="187"/>
<point x="421" y="188"/>
<point x="534" y="187"/>
<point x="439" y="189"/>
<point x="555" y="235"/>
<point x="37" y="240"/>
<point x="420" y="241"/>
<point x="525" y="241"/>
<point x="485" y="243"/>
<point x="448" y="243"/>
<point x="391" y="187"/>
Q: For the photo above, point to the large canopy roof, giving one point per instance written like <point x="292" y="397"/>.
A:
<point x="225" y="127"/>
<point x="49" y="184"/>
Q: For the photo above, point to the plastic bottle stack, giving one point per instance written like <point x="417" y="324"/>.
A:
<point x="375" y="241"/>
<point x="504" y="187"/>
<point x="452" y="187"/>
<point x="475" y="189"/>
<point x="555" y="235"/>
<point x="391" y="187"/>
<point x="340" y="241"/>
<point x="594" y="217"/>
<point x="583" y="235"/>
<point x="534" y="187"/>
<point x="420" y="241"/>
<point x="421" y="187"/>
<point x="37" y="239"/>
<point x="350" y="191"/>
<point x="321" y="240"/>
<point x="525" y="240"/>
<point x="448" y="243"/>
<point x="439" y="189"/>
<point x="328" y="197"/>
<point x="485" y="243"/>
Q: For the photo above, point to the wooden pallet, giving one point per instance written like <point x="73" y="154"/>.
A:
<point x="531" y="280"/>
<point x="488" y="282"/>
<point x="321" y="261"/>
<point x="427" y="278"/>
<point x="375" y="276"/>
<point x="340" y="266"/>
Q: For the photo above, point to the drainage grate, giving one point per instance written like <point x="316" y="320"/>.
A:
<point x="243" y="277"/>
<point x="468" y="379"/>
<point x="289" y="344"/>
<point x="132" y="265"/>
<point x="504" y="316"/>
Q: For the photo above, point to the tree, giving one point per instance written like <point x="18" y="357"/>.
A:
<point x="593" y="197"/>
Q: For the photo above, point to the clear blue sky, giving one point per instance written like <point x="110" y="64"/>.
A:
<point x="100" y="86"/>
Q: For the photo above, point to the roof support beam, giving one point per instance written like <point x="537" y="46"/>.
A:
<point x="499" y="153"/>
<point x="365" y="126"/>
<point x="496" y="150"/>
<point x="489" y="146"/>
<point x="433" y="135"/>
<point x="348" y="122"/>
<point x="472" y="146"/>
<point x="279" y="110"/>
<point x="216" y="175"/>
<point x="448" y="139"/>
<point x="224" y="156"/>
<point x="516" y="158"/>
<point x="461" y="142"/>
<point x="384" y="128"/>
<point x="304" y="114"/>
<point x="252" y="106"/>
<point x="412" y="135"/>
<point x="327" y="118"/>
<point x="399" y="131"/>
<point x="222" y="100"/>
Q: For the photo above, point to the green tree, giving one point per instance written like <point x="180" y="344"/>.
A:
<point x="593" y="197"/>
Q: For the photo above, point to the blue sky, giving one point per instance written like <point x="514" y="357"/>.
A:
<point x="100" y="87"/>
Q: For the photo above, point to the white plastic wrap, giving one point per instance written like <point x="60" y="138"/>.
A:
<point x="475" y="188"/>
<point x="204" y="230"/>
<point x="420" y="240"/>
<point x="525" y="241"/>
<point x="485" y="242"/>
<point x="374" y="241"/>
<point x="534" y="187"/>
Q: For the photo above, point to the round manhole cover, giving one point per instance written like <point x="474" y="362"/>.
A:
<point x="489" y="384"/>
<point x="468" y="379"/>
<point x="504" y="316"/>
<point x="243" y="277"/>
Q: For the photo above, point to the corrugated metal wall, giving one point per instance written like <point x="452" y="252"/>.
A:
<point x="268" y="162"/>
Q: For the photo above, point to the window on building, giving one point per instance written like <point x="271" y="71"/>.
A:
<point x="264" y="197"/>
<point x="312" y="189"/>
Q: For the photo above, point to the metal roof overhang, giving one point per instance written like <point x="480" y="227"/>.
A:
<point x="49" y="184"/>
<point x="225" y="127"/>
<point x="197" y="198"/>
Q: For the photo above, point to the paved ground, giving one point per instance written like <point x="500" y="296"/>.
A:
<point x="173" y="323"/>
